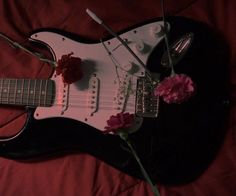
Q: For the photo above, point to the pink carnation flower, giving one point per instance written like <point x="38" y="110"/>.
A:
<point x="118" y="122"/>
<point x="175" y="89"/>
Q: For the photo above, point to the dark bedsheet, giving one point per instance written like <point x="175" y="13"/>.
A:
<point x="82" y="174"/>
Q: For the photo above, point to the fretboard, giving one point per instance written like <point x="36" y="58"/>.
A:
<point x="27" y="92"/>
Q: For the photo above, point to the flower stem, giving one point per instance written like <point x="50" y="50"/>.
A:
<point x="167" y="40"/>
<point x="35" y="54"/>
<point x="145" y="174"/>
<point x="169" y="55"/>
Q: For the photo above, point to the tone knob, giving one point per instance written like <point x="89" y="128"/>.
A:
<point x="157" y="30"/>
<point x="130" y="67"/>
<point x="139" y="46"/>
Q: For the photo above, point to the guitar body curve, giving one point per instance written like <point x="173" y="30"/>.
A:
<point x="176" y="147"/>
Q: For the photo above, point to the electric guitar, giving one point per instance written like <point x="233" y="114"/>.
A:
<point x="176" y="142"/>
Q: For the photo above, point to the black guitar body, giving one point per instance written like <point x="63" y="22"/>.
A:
<point x="177" y="146"/>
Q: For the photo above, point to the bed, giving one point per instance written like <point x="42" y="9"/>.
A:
<point x="80" y="173"/>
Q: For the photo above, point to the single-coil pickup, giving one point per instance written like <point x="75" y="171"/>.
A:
<point x="65" y="100"/>
<point x="93" y="95"/>
<point x="62" y="94"/>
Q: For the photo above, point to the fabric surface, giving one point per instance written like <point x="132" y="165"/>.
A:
<point x="82" y="174"/>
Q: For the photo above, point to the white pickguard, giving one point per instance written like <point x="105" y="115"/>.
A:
<point x="98" y="95"/>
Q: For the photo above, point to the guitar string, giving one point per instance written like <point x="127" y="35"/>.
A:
<point x="112" y="79"/>
<point x="86" y="104"/>
<point x="127" y="107"/>
<point x="10" y="85"/>
<point x="80" y="97"/>
<point x="100" y="106"/>
<point x="73" y="98"/>
<point x="77" y="96"/>
<point x="106" y="86"/>
<point x="12" y="94"/>
<point x="105" y="93"/>
<point x="102" y="99"/>
<point x="83" y="103"/>
<point x="71" y="93"/>
<point x="12" y="82"/>
<point x="36" y="102"/>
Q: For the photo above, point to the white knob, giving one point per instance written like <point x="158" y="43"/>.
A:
<point x="139" y="46"/>
<point x="128" y="66"/>
<point x="157" y="30"/>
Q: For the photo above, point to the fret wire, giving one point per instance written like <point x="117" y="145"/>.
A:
<point x="11" y="90"/>
<point x="1" y="89"/>
<point x="34" y="95"/>
<point x="8" y="89"/>
<point x="50" y="99"/>
<point x="40" y="89"/>
<point x="22" y="90"/>
<point x="28" y="91"/>
<point x="16" y="81"/>
<point x="45" y="94"/>
<point x="19" y="90"/>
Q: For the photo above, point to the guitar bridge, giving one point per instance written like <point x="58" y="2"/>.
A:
<point x="147" y="104"/>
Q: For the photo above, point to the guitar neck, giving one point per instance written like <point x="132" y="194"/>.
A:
<point x="27" y="92"/>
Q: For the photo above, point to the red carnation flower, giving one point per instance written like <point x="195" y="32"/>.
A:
<point x="70" y="68"/>
<point x="118" y="122"/>
<point x="175" y="89"/>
